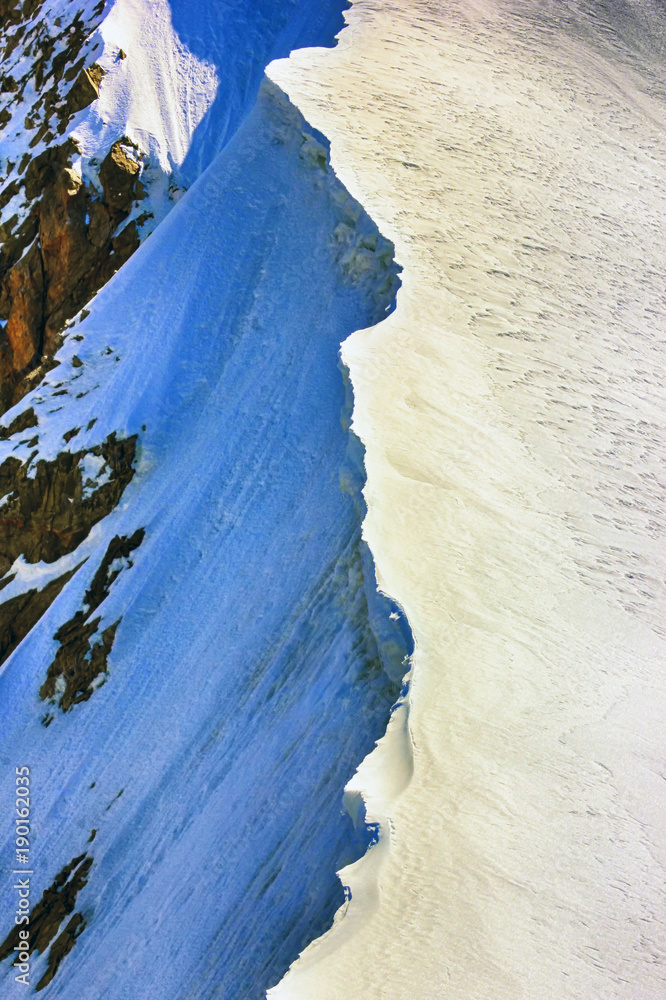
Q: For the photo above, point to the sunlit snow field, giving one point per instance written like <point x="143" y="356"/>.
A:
<point x="513" y="412"/>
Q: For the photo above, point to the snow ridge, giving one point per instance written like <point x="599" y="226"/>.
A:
<point x="252" y="663"/>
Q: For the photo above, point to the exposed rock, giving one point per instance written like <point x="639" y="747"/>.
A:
<point x="74" y="229"/>
<point x="79" y="661"/>
<point x="25" y="323"/>
<point x="11" y="12"/>
<point x="11" y="392"/>
<point x="118" y="174"/>
<point x="77" y="249"/>
<point x="11" y="190"/>
<point x="47" y="516"/>
<point x="25" y="420"/>
<point x="67" y="254"/>
<point x="57" y="902"/>
<point x="40" y="167"/>
<point x="15" y="239"/>
<point x="85" y="89"/>
<point x="119" y="550"/>
<point x="21" y="613"/>
<point x="61" y="947"/>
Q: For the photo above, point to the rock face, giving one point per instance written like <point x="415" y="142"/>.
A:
<point x="61" y="947"/>
<point x="13" y="11"/>
<point x="24" y="290"/>
<point x="24" y="421"/>
<point x="57" y="902"/>
<point x="46" y="517"/>
<point x="85" y="89"/>
<point x="119" y="174"/>
<point x="21" y="613"/>
<point x="60" y="240"/>
<point x="76" y="249"/>
<point x="80" y="661"/>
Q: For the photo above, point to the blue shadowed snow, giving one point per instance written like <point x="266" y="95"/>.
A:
<point x="255" y="664"/>
<point x="240" y="39"/>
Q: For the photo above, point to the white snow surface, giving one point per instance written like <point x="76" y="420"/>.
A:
<point x="254" y="664"/>
<point x="161" y="91"/>
<point x="513" y="417"/>
<point x="512" y="408"/>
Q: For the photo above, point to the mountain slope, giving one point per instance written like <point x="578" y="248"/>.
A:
<point x="216" y="659"/>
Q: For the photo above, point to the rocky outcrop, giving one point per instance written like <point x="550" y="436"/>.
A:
<point x="49" y="514"/>
<point x="53" y="56"/>
<point x="79" y="247"/>
<point x="80" y="661"/>
<point x="85" y="90"/>
<point x="46" y="516"/>
<point x="61" y="947"/>
<point x="119" y="175"/>
<point x="23" y="422"/>
<point x="21" y="613"/>
<point x="14" y="11"/>
<point x="57" y="902"/>
<point x="62" y="240"/>
<point x="24" y="290"/>
<point x="76" y="249"/>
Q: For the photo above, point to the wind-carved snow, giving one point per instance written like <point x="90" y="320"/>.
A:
<point x="255" y="663"/>
<point x="512" y="408"/>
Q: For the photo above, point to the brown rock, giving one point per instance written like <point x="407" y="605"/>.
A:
<point x="47" y="516"/>
<point x="101" y="225"/>
<point x="25" y="325"/>
<point x="21" y="613"/>
<point x="57" y="902"/>
<point x="24" y="421"/>
<point x="79" y="661"/>
<point x="119" y="173"/>
<point x="61" y="947"/>
<point x="40" y="167"/>
<point x="10" y="12"/>
<point x="85" y="89"/>
<point x="78" y="249"/>
<point x="15" y="239"/>
<point x="66" y="252"/>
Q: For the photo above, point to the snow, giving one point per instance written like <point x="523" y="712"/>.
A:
<point x="255" y="664"/>
<point x="94" y="473"/>
<point x="512" y="408"/>
<point x="513" y="418"/>
<point x="192" y="73"/>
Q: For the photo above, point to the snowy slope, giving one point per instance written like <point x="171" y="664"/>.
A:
<point x="513" y="413"/>
<point x="254" y="664"/>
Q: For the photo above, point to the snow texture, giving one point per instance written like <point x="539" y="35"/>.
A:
<point x="255" y="663"/>
<point x="512" y="408"/>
